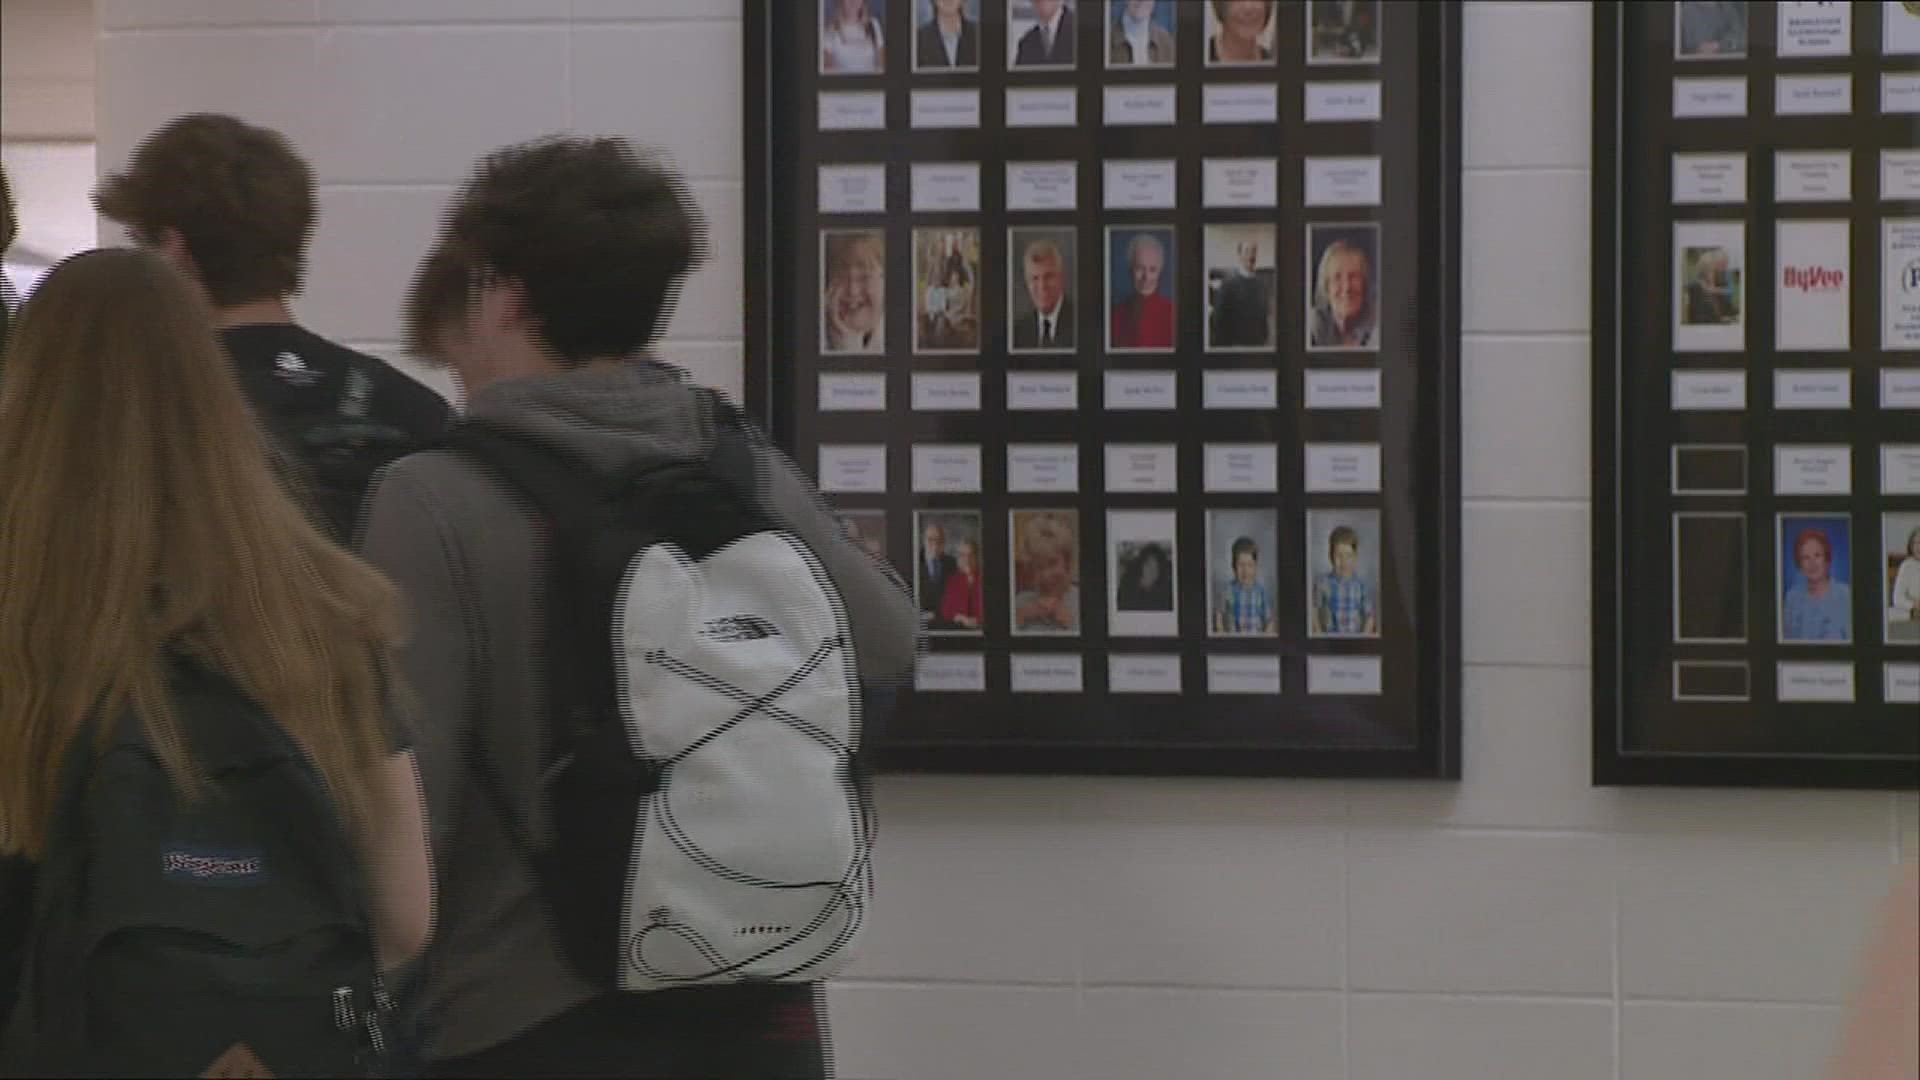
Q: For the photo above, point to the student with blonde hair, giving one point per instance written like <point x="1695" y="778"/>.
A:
<point x="200" y="763"/>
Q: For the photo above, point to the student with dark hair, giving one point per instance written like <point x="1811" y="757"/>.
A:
<point x="556" y="270"/>
<point x="233" y="206"/>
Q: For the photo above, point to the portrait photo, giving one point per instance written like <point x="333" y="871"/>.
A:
<point x="1141" y="296"/>
<point x="946" y="35"/>
<point x="868" y="530"/>
<point x="853" y="302"/>
<point x="1710" y="29"/>
<point x="1900" y="563"/>
<point x="1143" y="589"/>
<point x="1046" y="571"/>
<point x="1040" y="274"/>
<point x="1343" y="287"/>
<point x="1815" y="574"/>
<point x="947" y="576"/>
<point x="1709" y="297"/>
<point x="852" y="38"/>
<point x="1140" y="33"/>
<point x="1242" y="308"/>
<point x="1242" y="547"/>
<point x="1241" y="33"/>
<point x="1041" y="33"/>
<point x="1343" y="31"/>
<point x="1343" y="573"/>
<point x="946" y="290"/>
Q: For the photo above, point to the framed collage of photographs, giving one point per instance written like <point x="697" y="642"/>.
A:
<point x="1126" y="330"/>
<point x="1756" y="439"/>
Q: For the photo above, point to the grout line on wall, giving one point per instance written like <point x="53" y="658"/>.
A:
<point x="949" y="984"/>
<point x="1346" y="935"/>
<point x="1485" y="998"/>
<point x="1619" y="1011"/>
<point x="1704" y="1003"/>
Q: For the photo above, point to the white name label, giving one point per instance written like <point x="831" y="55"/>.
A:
<point x="1709" y="178"/>
<point x="1251" y="467"/>
<point x="1902" y="684"/>
<point x="1032" y="108"/>
<point x="1344" y="675"/>
<point x="1241" y="103"/>
<point x="1133" y="106"/>
<point x="1343" y="181"/>
<point x="1812" y="95"/>
<point x="1813" y="388"/>
<point x="1241" y="389"/>
<point x="853" y="189"/>
<point x="1240" y="182"/>
<point x="1812" y="470"/>
<point x="853" y="469"/>
<point x="1343" y="467"/>
<point x="1695" y="97"/>
<point x="1900" y="469"/>
<point x="1041" y="185"/>
<point x="1042" y="390"/>
<point x="1343" y="388"/>
<point x="1141" y="673"/>
<point x="1813" y="176"/>
<point x="1709" y="391"/>
<point x="1900" y="174"/>
<point x="1815" y="681"/>
<point x="946" y="467"/>
<point x="853" y="392"/>
<point x="1141" y="467"/>
<point x="1128" y="390"/>
<point x="943" y="391"/>
<point x="951" y="672"/>
<point x="1233" y="674"/>
<point x="857" y="110"/>
<point x="1045" y="467"/>
<point x="946" y="186"/>
<point x="1046" y="673"/>
<point x="946" y="108"/>
<point x="1139" y="185"/>
<point x="1342" y="102"/>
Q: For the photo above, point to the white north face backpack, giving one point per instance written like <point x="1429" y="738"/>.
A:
<point x="706" y="822"/>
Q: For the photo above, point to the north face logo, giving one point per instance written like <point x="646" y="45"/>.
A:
<point x="739" y="628"/>
<point x="294" y="369"/>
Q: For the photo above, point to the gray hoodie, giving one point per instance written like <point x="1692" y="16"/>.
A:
<point x="461" y="550"/>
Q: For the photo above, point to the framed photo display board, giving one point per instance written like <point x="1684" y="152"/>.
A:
<point x="1756" y="431"/>
<point x="1127" y="332"/>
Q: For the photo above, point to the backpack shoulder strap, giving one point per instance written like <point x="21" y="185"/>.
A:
<point x="557" y="482"/>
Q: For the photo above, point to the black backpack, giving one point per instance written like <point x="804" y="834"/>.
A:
<point x="169" y="935"/>
<point x="340" y="452"/>
<point x="640" y="897"/>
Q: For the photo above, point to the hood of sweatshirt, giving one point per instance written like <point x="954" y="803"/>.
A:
<point x="615" y="418"/>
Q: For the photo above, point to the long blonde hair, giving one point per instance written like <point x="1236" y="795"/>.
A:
<point x="139" y="514"/>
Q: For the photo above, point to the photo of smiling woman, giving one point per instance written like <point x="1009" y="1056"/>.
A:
<point x="853" y="306"/>
<point x="1815" y="571"/>
<point x="1240" y="32"/>
<point x="1343" y="273"/>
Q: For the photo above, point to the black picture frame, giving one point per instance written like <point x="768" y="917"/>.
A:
<point x="1673" y="661"/>
<point x="1411" y="728"/>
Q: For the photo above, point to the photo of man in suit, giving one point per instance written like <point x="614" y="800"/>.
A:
<point x="1047" y="40"/>
<point x="942" y="534"/>
<point x="1240" y="287"/>
<point x="1041" y="280"/>
<point x="949" y="36"/>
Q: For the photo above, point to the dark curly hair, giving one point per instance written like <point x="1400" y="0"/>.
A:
<point x="600" y="236"/>
<point x="240" y="197"/>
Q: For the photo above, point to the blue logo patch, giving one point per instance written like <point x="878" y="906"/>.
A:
<point x="228" y="867"/>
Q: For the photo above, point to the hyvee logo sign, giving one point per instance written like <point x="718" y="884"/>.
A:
<point x="1811" y="298"/>
<point x="1910" y="276"/>
<point x="1813" y="278"/>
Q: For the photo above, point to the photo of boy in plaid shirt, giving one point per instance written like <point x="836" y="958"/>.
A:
<point x="1342" y="597"/>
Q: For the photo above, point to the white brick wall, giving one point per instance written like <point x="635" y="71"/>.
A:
<point x="1521" y="924"/>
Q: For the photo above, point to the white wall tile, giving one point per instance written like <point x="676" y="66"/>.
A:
<point x="122" y="14"/>
<point x="713" y="303"/>
<point x="1705" y="815"/>
<point x="675" y="86"/>
<point x="356" y="290"/>
<point x="1431" y="1038"/>
<point x="1525" y="578"/>
<point x="972" y="895"/>
<point x="958" y="1033"/>
<point x="1525" y="412"/>
<point x="1725" y="1042"/>
<point x="1526" y="91"/>
<point x="1907" y="817"/>
<point x="440" y="11"/>
<point x="1526" y="743"/>
<point x="266" y="77"/>
<point x="1150" y="918"/>
<point x="1487" y="913"/>
<point x="1213" y="1035"/>
<point x="1738" y="919"/>
<point x="1524" y="245"/>
<point x="412" y="105"/>
<point x="652" y="10"/>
